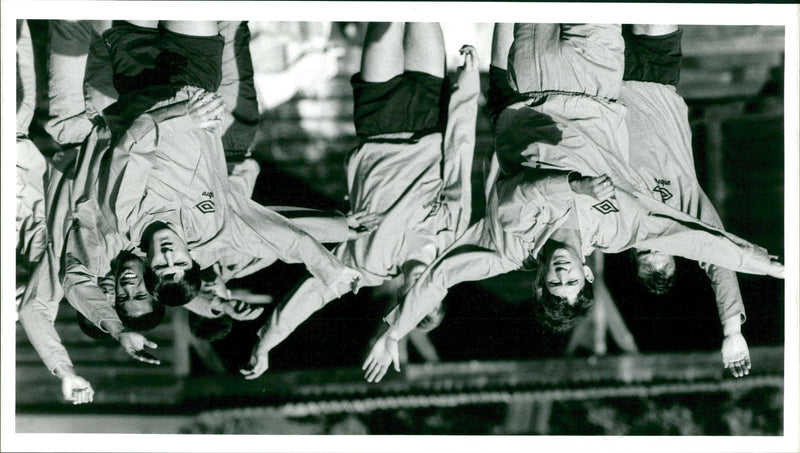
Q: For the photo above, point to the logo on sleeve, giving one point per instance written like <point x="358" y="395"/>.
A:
<point x="665" y="194"/>
<point x="606" y="207"/>
<point x="205" y="206"/>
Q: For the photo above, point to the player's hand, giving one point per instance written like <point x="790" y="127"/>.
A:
<point x="599" y="187"/>
<point x="776" y="268"/>
<point x="384" y="352"/>
<point x="736" y="355"/>
<point x="470" y="57"/>
<point x="206" y="109"/>
<point x="134" y="343"/>
<point x="467" y="75"/>
<point x="361" y="224"/>
<point x="241" y="311"/>
<point x="76" y="389"/>
<point x="259" y="360"/>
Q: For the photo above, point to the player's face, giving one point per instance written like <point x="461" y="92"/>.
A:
<point x="131" y="293"/>
<point x="565" y="275"/>
<point x="168" y="254"/>
<point x="649" y="261"/>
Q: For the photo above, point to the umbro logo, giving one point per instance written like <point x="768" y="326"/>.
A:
<point x="665" y="194"/>
<point x="606" y="207"/>
<point x="205" y="206"/>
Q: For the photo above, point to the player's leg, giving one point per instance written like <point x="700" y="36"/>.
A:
<point x="238" y="91"/>
<point x="98" y="83"/>
<point x="502" y="38"/>
<point x="652" y="53"/>
<point x="140" y="23"/>
<point x="192" y="27"/>
<point x="132" y="49"/>
<point x="382" y="57"/>
<point x="192" y="54"/>
<point x="423" y="48"/>
<point x="500" y="93"/>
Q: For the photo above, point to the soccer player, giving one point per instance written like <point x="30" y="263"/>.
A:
<point x="557" y="147"/>
<point x="42" y="295"/>
<point x="167" y="185"/>
<point x="661" y="153"/>
<point x="412" y="167"/>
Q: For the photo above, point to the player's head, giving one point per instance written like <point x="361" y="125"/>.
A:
<point x="433" y="319"/>
<point x="210" y="329"/>
<point x="133" y="302"/>
<point x="172" y="274"/>
<point x="144" y="322"/>
<point x="562" y="288"/>
<point x="655" y="270"/>
<point x="562" y="272"/>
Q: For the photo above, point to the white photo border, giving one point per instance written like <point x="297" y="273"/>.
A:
<point x="700" y="14"/>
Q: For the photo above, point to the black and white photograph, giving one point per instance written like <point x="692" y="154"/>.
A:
<point x="469" y="227"/>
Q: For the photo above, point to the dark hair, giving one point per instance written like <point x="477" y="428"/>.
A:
<point x="433" y="319"/>
<point x="173" y="293"/>
<point x="210" y="329"/>
<point x="91" y="330"/>
<point x="556" y="314"/>
<point x="144" y="322"/>
<point x="657" y="282"/>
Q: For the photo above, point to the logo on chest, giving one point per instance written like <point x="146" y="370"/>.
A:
<point x="665" y="194"/>
<point x="606" y="207"/>
<point x="205" y="206"/>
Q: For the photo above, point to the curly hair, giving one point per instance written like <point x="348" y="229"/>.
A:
<point x="656" y="282"/>
<point x="556" y="314"/>
<point x="210" y="329"/>
<point x="170" y="292"/>
<point x="144" y="322"/>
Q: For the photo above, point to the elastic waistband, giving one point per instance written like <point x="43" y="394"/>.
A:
<point x="535" y="95"/>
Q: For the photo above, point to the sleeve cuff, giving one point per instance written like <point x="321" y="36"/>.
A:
<point x="104" y="314"/>
<point x="57" y="358"/>
<point x="732" y="325"/>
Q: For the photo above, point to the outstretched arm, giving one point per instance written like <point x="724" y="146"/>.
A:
<point x="735" y="353"/>
<point x="329" y="227"/>
<point x="306" y="300"/>
<point x="668" y="230"/>
<point x="459" y="138"/>
<point x="463" y="262"/>
<point x="263" y="233"/>
<point x="37" y="314"/>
